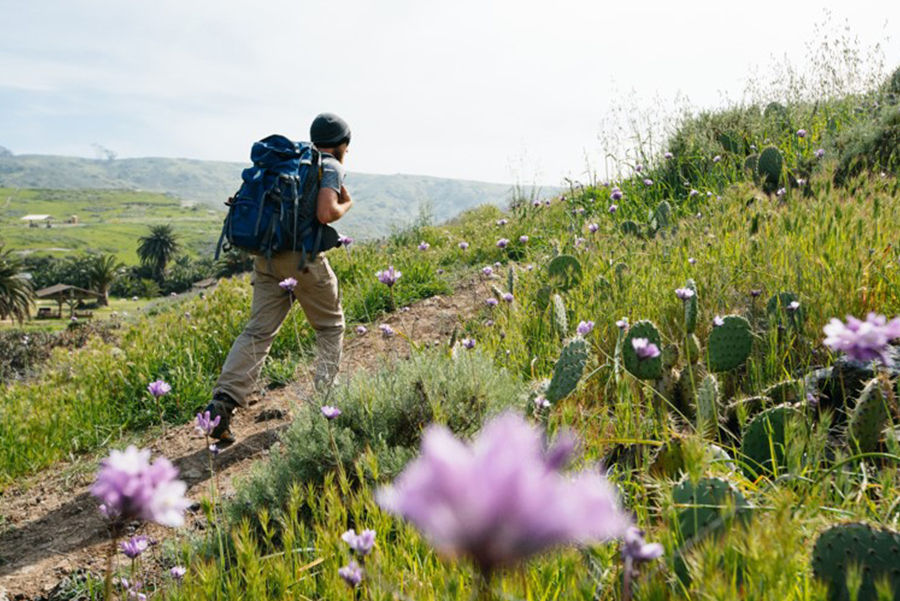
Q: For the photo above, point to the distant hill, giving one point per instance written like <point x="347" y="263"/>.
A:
<point x="382" y="202"/>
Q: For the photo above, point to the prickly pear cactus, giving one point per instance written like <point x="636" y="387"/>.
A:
<point x="511" y="280"/>
<point x="542" y="298"/>
<point x="731" y="141"/>
<point x="669" y="356"/>
<point x="568" y="370"/>
<point x="769" y="166"/>
<point x="645" y="369"/>
<point x="729" y="344"/>
<point x="751" y="163"/>
<point x="692" y="348"/>
<point x="662" y="216"/>
<point x="620" y="270"/>
<point x="876" y="552"/>
<point x="630" y="227"/>
<point x="708" y="506"/>
<point x="740" y="411"/>
<point x="786" y="391"/>
<point x="668" y="460"/>
<point x="869" y="417"/>
<point x="564" y="272"/>
<point x="560" y="320"/>
<point x="763" y="442"/>
<point x="690" y="308"/>
<point x="708" y="406"/>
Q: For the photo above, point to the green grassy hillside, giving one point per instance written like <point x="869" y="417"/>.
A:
<point x="108" y="221"/>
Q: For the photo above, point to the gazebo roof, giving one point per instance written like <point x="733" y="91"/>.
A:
<point x="64" y="291"/>
<point x="35" y="217"/>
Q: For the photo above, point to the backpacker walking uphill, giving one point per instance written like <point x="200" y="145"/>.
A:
<point x="281" y="214"/>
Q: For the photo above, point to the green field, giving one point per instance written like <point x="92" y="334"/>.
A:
<point x="109" y="221"/>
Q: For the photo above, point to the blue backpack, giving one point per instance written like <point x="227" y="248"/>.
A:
<point x="274" y="210"/>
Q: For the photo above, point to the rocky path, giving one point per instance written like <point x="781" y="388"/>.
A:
<point x="50" y="526"/>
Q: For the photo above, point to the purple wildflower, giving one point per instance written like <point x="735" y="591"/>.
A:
<point x="352" y="574"/>
<point x="463" y="245"/>
<point x="487" y="271"/>
<point x="361" y="543"/>
<point x="593" y="227"/>
<point x="502" y="498"/>
<point x="491" y="302"/>
<point x="360" y="330"/>
<point x="622" y="324"/>
<point x="793" y="306"/>
<point x="424" y="246"/>
<point x="636" y="549"/>
<point x="178" y="572"/>
<point x="345" y="240"/>
<point x="502" y="222"/>
<point x="613" y="208"/>
<point x="718" y="321"/>
<point x="130" y="487"/>
<point x="644" y="348"/>
<point x="536" y="203"/>
<point x="159" y="388"/>
<point x="616" y="194"/>
<point x="135" y="546"/>
<point x="693" y="193"/>
<point x="684" y="293"/>
<point x="204" y="425"/>
<point x="288" y="284"/>
<point x="507" y="297"/>
<point x="863" y="340"/>
<point x="541" y="402"/>
<point x="214" y="449"/>
<point x="801" y="133"/>
<point x="717" y="158"/>
<point x="780" y="192"/>
<point x="584" y="327"/>
<point x="638" y="167"/>
<point x="579" y="241"/>
<point x="820" y="153"/>
<point x="801" y="182"/>
<point x="692" y="260"/>
<point x="330" y="412"/>
<point x="668" y="155"/>
<point x="387" y="331"/>
<point x="523" y="239"/>
<point x="468" y="343"/>
<point x="389" y="276"/>
<point x="648" y="181"/>
<point x="755" y="292"/>
<point x="502" y="242"/>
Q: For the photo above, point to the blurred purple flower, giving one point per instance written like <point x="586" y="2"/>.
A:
<point x="502" y="498"/>
<point x="135" y="546"/>
<point x="178" y="572"/>
<point x="159" y="388"/>
<point x="593" y="227"/>
<point x="636" y="549"/>
<point x="717" y="158"/>
<point x="684" y="293"/>
<point x="638" y="167"/>
<point x="718" y="321"/>
<point x="361" y="543"/>
<point x="330" y="412"/>
<point x="389" y="276"/>
<point x="536" y="203"/>
<point x="468" y="343"/>
<point x="584" y="327"/>
<point x="616" y="194"/>
<point x="801" y="133"/>
<point x="463" y="245"/>
<point x="491" y="302"/>
<point x="288" y="284"/>
<point x="863" y="340"/>
<point x="793" y="306"/>
<point x="487" y="271"/>
<point x="345" y="240"/>
<point x="523" y="239"/>
<point x="613" y="209"/>
<point x="352" y="574"/>
<point x="755" y="292"/>
<point x="622" y="324"/>
<point x="644" y="348"/>
<point x="204" y="425"/>
<point x="820" y="152"/>
<point x="693" y="193"/>
<point x="387" y="331"/>
<point x="780" y="192"/>
<point x="579" y="241"/>
<point x="668" y="155"/>
<point x="507" y="297"/>
<point x="424" y="246"/>
<point x="801" y="182"/>
<point x="692" y="260"/>
<point x="130" y="487"/>
<point x="502" y="221"/>
<point x="360" y="330"/>
<point x="541" y="402"/>
<point x="502" y="242"/>
<point x="648" y="182"/>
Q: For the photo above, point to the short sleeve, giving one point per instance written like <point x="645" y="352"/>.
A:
<point x="332" y="174"/>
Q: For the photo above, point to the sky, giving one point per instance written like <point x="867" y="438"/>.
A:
<point x="513" y="91"/>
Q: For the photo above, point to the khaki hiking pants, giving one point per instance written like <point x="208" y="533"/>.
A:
<point x="318" y="295"/>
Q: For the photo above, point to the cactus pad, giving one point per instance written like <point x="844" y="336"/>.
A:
<point x="568" y="370"/>
<point x="662" y="216"/>
<point x="707" y="401"/>
<point x="670" y="356"/>
<point x="770" y="165"/>
<point x="630" y="227"/>
<point x="564" y="272"/>
<point x="645" y="369"/>
<point x="751" y="163"/>
<point x="729" y="344"/>
<point x="560" y="319"/>
<point x="786" y="391"/>
<point x="763" y="442"/>
<point x="690" y="308"/>
<point x="869" y="417"/>
<point x="875" y="551"/>
<point x="542" y="298"/>
<point x="708" y="506"/>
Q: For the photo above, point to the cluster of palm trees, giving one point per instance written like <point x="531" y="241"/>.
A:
<point x="155" y="250"/>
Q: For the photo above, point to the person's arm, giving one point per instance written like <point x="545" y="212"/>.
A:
<point x="332" y="206"/>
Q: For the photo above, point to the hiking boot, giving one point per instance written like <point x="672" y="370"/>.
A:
<point x="222" y="406"/>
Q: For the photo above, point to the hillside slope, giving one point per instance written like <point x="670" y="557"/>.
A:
<point x="383" y="202"/>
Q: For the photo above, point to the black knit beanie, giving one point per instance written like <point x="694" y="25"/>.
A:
<point x="328" y="130"/>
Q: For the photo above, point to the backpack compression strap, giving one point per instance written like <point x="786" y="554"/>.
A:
<point x="311" y="185"/>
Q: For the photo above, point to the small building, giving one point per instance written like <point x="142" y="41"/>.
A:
<point x="64" y="293"/>
<point x="36" y="220"/>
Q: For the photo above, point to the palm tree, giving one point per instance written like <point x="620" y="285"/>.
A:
<point x="158" y="248"/>
<point x="102" y="269"/>
<point x="16" y="294"/>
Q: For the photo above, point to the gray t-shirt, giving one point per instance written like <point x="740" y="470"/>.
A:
<point x="332" y="173"/>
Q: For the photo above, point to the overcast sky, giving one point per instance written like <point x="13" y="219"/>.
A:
<point x="475" y="89"/>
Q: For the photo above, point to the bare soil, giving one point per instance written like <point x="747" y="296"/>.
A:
<point x="50" y="527"/>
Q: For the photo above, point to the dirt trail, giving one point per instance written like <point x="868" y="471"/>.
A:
<point x="50" y="526"/>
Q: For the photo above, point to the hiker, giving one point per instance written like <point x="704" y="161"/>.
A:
<point x="316" y="290"/>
